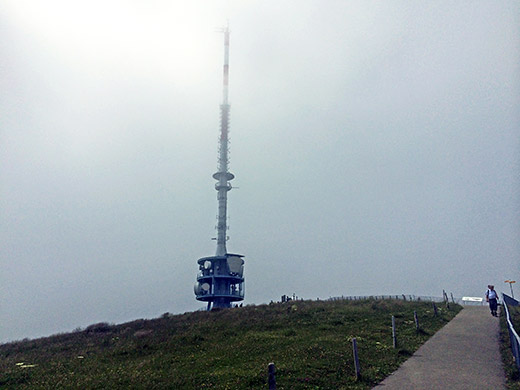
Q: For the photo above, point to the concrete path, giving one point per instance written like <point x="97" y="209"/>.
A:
<point x="462" y="355"/>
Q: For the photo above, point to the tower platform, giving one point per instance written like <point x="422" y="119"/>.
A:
<point x="220" y="280"/>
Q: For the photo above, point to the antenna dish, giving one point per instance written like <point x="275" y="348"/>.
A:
<point x="235" y="264"/>
<point x="207" y="264"/>
<point x="205" y="286"/>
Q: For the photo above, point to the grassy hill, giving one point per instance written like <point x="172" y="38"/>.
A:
<point x="309" y="341"/>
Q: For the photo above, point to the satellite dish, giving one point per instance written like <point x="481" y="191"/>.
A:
<point x="196" y="288"/>
<point x="205" y="286"/>
<point x="207" y="264"/>
<point x="235" y="264"/>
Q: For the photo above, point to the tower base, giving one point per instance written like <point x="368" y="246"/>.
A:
<point x="220" y="281"/>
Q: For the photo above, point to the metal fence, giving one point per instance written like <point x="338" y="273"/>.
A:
<point x="403" y="297"/>
<point x="513" y="335"/>
<point x="407" y="297"/>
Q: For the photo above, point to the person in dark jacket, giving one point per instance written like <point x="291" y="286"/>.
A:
<point x="492" y="298"/>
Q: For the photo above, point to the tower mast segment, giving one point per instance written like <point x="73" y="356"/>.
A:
<point x="223" y="176"/>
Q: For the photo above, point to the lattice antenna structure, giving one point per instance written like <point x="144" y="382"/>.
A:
<point x="220" y="280"/>
<point x="223" y="176"/>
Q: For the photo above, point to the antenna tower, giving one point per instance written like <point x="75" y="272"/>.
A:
<point x="220" y="280"/>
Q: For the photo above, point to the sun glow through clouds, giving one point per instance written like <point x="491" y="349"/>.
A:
<point x="172" y="40"/>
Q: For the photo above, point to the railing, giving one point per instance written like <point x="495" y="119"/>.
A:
<point x="404" y="297"/>
<point x="239" y="292"/>
<point x="513" y="336"/>
<point x="408" y="297"/>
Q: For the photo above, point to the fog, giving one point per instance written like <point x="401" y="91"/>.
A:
<point x="375" y="147"/>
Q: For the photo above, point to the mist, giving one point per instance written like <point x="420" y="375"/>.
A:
<point x="375" y="147"/>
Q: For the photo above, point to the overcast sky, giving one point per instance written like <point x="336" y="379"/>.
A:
<point x="375" y="147"/>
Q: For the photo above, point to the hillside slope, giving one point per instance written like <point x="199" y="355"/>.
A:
<point x="309" y="341"/>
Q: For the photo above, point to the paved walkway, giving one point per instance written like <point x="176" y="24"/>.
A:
<point x="464" y="355"/>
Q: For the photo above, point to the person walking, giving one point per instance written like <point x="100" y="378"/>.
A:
<point x="492" y="297"/>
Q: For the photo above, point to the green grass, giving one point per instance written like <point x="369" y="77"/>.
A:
<point x="310" y="343"/>
<point x="512" y="374"/>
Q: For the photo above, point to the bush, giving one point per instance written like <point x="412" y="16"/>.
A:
<point x="101" y="327"/>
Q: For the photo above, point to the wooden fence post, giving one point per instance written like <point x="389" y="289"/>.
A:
<point x="272" y="377"/>
<point x="394" y="338"/>
<point x="356" y="359"/>
<point x="416" y="319"/>
<point x="446" y="299"/>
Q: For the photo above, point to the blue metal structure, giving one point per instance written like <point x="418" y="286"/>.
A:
<point x="220" y="280"/>
<point x="513" y="335"/>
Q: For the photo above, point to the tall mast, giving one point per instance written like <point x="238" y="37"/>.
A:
<point x="220" y="280"/>
<point x="223" y="176"/>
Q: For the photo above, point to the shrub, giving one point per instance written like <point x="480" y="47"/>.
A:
<point x="101" y="327"/>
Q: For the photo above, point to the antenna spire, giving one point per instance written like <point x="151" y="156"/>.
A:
<point x="226" y="65"/>
<point x="223" y="176"/>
